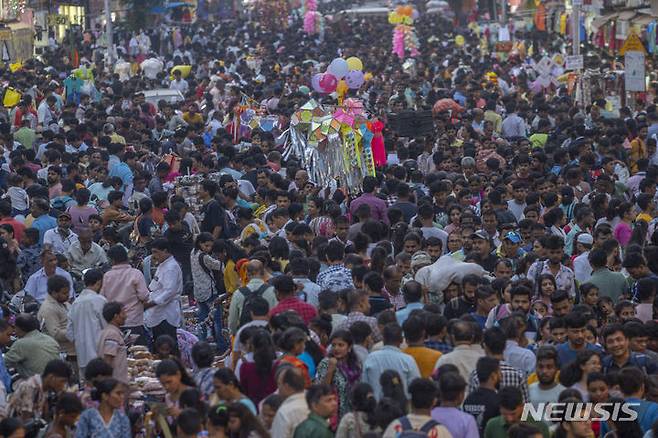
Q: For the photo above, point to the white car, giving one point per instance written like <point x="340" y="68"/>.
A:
<point x="166" y="94"/>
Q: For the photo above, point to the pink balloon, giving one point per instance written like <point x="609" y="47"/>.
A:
<point x="354" y="79"/>
<point x="315" y="82"/>
<point x="328" y="83"/>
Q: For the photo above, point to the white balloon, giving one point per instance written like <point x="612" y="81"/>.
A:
<point x="338" y="68"/>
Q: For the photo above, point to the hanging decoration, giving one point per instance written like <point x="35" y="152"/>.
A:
<point x="339" y="142"/>
<point x="341" y="75"/>
<point x="313" y="20"/>
<point x="404" y="34"/>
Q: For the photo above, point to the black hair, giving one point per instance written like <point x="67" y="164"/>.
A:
<point x="315" y="392"/>
<point x="57" y="283"/>
<point x="170" y="367"/>
<point x="202" y="354"/>
<point x="218" y="415"/>
<point x="68" y="403"/>
<point x="104" y="386"/>
<point x="111" y="309"/>
<point x="494" y="339"/>
<point x="93" y="276"/>
<point x="424" y="392"/>
<point x="346" y="336"/>
<point x="57" y="368"/>
<point x="363" y="400"/>
<point x="264" y="352"/>
<point x="571" y="373"/>
<point x="117" y="254"/>
<point x="392" y="334"/>
<point x="485" y="367"/>
<point x="631" y="380"/>
<point x="27" y="322"/>
<point x="575" y="320"/>
<point x="249" y="424"/>
<point x="510" y="397"/>
<point x="392" y="387"/>
<point x="189" y="421"/>
<point x="97" y="367"/>
<point x="388" y="410"/>
<point x="9" y="426"/>
<point x="414" y="329"/>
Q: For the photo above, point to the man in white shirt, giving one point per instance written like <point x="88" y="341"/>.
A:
<point x="581" y="267"/>
<point x="163" y="314"/>
<point x="294" y="409"/>
<point x="179" y="83"/>
<point x="46" y="112"/>
<point x="85" y="253"/>
<point x="60" y="238"/>
<point x="37" y="285"/>
<point x="85" y="321"/>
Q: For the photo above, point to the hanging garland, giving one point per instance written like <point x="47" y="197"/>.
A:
<point x="404" y="34"/>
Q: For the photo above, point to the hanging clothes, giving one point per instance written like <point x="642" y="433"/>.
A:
<point x="651" y="37"/>
<point x="599" y="38"/>
<point x="563" y="23"/>
<point x="540" y="18"/>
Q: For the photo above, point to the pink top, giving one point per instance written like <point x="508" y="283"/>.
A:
<point x="126" y="285"/>
<point x="623" y="233"/>
<point x="80" y="216"/>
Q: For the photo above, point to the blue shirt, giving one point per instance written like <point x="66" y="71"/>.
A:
<point x="4" y="375"/>
<point x="647" y="412"/>
<point x="389" y="358"/>
<point x="567" y="355"/>
<point x="44" y="223"/>
<point x="402" y="314"/>
<point x="638" y="360"/>
<point x="122" y="170"/>
<point x="308" y="360"/>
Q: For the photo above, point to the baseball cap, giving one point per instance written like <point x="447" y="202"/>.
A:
<point x="65" y="214"/>
<point x="585" y="239"/>
<point x="480" y="234"/>
<point x="513" y="237"/>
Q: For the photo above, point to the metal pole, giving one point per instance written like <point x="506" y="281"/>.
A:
<point x="109" y="34"/>
<point x="575" y="15"/>
<point x="503" y="12"/>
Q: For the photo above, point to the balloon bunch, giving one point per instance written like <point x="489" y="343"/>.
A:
<point x="312" y="18"/>
<point x="404" y="35"/>
<point x="341" y="75"/>
<point x="403" y="15"/>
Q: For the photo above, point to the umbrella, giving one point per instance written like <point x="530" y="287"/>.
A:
<point x="446" y="105"/>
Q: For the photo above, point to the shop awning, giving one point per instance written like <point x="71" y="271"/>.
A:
<point x="600" y="21"/>
<point x="643" y="20"/>
<point x="626" y="15"/>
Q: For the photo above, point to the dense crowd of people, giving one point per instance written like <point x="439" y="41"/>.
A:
<point x="267" y="304"/>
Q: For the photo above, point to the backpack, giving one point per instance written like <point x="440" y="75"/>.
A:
<point x="409" y="432"/>
<point x="249" y="295"/>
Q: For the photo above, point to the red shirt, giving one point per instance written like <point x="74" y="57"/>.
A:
<point x="19" y="228"/>
<point x="306" y="311"/>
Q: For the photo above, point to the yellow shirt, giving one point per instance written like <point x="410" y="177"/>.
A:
<point x="231" y="277"/>
<point x="425" y="359"/>
<point x="644" y="217"/>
